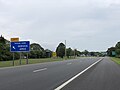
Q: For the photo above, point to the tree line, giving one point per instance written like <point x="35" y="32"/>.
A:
<point x="114" y="51"/>
<point x="61" y="52"/>
<point x="36" y="51"/>
<point x="74" y="52"/>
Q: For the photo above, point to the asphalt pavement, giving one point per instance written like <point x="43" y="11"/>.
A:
<point x="105" y="75"/>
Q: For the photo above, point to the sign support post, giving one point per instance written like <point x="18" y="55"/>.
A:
<point x="27" y="59"/>
<point x="20" y="59"/>
<point x="13" y="59"/>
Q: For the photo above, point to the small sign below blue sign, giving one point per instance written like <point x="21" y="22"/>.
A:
<point x="22" y="46"/>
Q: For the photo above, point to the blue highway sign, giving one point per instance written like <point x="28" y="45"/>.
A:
<point x="22" y="46"/>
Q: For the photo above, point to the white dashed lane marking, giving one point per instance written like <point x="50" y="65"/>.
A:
<point x="39" y="70"/>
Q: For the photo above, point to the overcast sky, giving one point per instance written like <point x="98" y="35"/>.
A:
<point x="92" y="25"/>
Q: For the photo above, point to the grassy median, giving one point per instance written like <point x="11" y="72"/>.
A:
<point x="31" y="61"/>
<point x="116" y="60"/>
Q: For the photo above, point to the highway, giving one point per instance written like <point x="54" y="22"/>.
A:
<point x="104" y="75"/>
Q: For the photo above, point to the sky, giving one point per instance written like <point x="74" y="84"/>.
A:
<point x="91" y="25"/>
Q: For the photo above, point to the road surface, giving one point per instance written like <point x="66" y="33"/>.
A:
<point x="105" y="75"/>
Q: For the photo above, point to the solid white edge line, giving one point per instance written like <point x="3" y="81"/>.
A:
<point x="70" y="80"/>
<point x="39" y="70"/>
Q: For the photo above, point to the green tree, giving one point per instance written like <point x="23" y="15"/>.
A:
<point x="111" y="51"/>
<point x="117" y="49"/>
<point x="69" y="52"/>
<point x="48" y="53"/>
<point x="36" y="51"/>
<point x="77" y="53"/>
<point x="86" y="52"/>
<point x="60" y="50"/>
<point x="36" y="47"/>
<point x="5" y="53"/>
<point x="2" y="40"/>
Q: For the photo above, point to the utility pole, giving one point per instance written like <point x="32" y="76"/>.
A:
<point x="20" y="59"/>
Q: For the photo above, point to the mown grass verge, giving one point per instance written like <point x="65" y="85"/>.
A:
<point x="116" y="60"/>
<point x="31" y="61"/>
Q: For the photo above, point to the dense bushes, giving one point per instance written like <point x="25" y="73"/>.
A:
<point x="114" y="51"/>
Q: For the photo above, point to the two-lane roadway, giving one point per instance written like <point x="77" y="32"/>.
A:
<point x="103" y="75"/>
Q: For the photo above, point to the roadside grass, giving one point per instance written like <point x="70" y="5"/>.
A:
<point x="30" y="61"/>
<point x="116" y="60"/>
